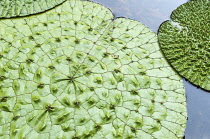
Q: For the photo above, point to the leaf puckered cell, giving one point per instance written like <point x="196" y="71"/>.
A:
<point x="185" y="41"/>
<point x="75" y="72"/>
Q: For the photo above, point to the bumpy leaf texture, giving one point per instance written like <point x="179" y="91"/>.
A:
<point x="75" y="72"/>
<point x="185" y="41"/>
<point x="13" y="8"/>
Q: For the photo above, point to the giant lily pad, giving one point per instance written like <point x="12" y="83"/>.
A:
<point x="75" y="72"/>
<point x="185" y="41"/>
<point x="13" y="8"/>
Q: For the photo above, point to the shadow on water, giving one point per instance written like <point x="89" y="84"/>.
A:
<point x="152" y="13"/>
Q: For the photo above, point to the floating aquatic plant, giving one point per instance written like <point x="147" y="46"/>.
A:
<point x="185" y="41"/>
<point x="14" y="8"/>
<point x="76" y="72"/>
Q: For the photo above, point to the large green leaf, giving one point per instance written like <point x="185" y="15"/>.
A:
<point x="185" y="41"/>
<point x="13" y="8"/>
<point x="75" y="72"/>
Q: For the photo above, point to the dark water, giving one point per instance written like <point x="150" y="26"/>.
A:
<point x="152" y="13"/>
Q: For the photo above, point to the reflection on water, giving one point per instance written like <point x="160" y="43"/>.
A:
<point x="149" y="12"/>
<point x="198" y="104"/>
<point x="152" y="13"/>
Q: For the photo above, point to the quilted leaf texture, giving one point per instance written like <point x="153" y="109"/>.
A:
<point x="185" y="41"/>
<point x="76" y="73"/>
<point x="13" y="8"/>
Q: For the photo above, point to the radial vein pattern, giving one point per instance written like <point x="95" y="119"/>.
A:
<point x="75" y="72"/>
<point x="185" y="41"/>
<point x="13" y="8"/>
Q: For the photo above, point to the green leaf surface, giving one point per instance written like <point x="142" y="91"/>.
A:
<point x="14" y="8"/>
<point x="185" y="41"/>
<point x="74" y="72"/>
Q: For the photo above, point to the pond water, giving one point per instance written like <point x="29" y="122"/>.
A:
<point x="152" y="13"/>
